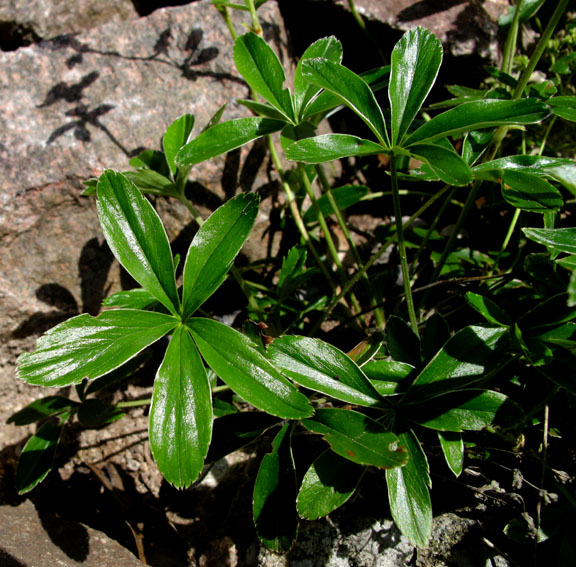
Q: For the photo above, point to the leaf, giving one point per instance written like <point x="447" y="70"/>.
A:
<point x="559" y="169"/>
<point x="225" y="137"/>
<point x="555" y="239"/>
<point x="137" y="237"/>
<point x="292" y="265"/>
<point x="328" y="48"/>
<point x="403" y="344"/>
<point x="328" y="483"/>
<point x="408" y="493"/>
<point x="564" y="335"/>
<point x="358" y="438"/>
<point x="275" y="490"/>
<point x="137" y="298"/>
<point x="326" y="103"/>
<point x="181" y="412"/>
<point x="89" y="347"/>
<point x="175" y="137"/>
<point x="213" y="249"/>
<point x="478" y="114"/>
<point x="321" y="367"/>
<point x="37" y="457"/>
<point x="328" y="147"/>
<point x="96" y="413"/>
<point x="345" y="197"/>
<point x="151" y="182"/>
<point x="154" y="160"/>
<point x="435" y="334"/>
<point x="564" y="107"/>
<point x="262" y="109"/>
<point x="551" y="311"/>
<point x="530" y="193"/>
<point x="488" y="309"/>
<point x="463" y="360"/>
<point x="349" y="88"/>
<point x="466" y="410"/>
<point x="234" y="431"/>
<point x="453" y="450"/>
<point x="41" y="409"/>
<point x="238" y="362"/>
<point x="445" y="163"/>
<point x="257" y="62"/>
<point x="415" y="62"/>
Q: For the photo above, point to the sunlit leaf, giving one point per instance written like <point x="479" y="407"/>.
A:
<point x="181" y="412"/>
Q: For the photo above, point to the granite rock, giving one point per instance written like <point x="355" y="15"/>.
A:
<point x="465" y="27"/>
<point x="23" y="22"/>
<point x="32" y="539"/>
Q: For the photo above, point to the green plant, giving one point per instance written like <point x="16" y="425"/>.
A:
<point x="374" y="405"/>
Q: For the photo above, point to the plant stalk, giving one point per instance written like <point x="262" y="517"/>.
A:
<point x="402" y="246"/>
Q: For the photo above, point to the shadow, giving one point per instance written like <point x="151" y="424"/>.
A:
<point x="14" y="35"/>
<point x="426" y="8"/>
<point x="93" y="268"/>
<point x="7" y="560"/>
<point x="69" y="92"/>
<point x="146" y="7"/>
<point x="72" y="538"/>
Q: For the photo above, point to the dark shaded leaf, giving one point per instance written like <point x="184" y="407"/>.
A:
<point x="275" y="491"/>
<point x="328" y="483"/>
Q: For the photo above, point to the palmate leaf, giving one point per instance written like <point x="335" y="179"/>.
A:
<point x="181" y="412"/>
<point x="453" y="450"/>
<point x="225" y="137"/>
<point x="214" y="248"/>
<point x="357" y="437"/>
<point x="409" y="495"/>
<point x="321" y="367"/>
<point x="328" y="48"/>
<point x="445" y="163"/>
<point x="328" y="483"/>
<point x="89" y="347"/>
<point x="328" y="147"/>
<point x="529" y="193"/>
<point x="463" y="360"/>
<point x="415" y="62"/>
<point x="238" y="362"/>
<point x="476" y="115"/>
<point x="175" y="137"/>
<point x="41" y="409"/>
<point x="466" y="410"/>
<point x="556" y="239"/>
<point x="37" y="457"/>
<point x="257" y="62"/>
<point x="275" y="495"/>
<point x="137" y="237"/>
<point x="350" y="89"/>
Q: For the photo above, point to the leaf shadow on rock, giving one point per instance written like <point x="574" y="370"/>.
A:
<point x="93" y="268"/>
<point x="425" y="8"/>
<point x="8" y="560"/>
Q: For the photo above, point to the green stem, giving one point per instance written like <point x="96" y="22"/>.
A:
<point x="401" y="246"/>
<point x="296" y="216"/>
<point x="256" y="27"/>
<point x="327" y="188"/>
<point x="511" y="40"/>
<point x="327" y="235"/>
<point x="540" y="48"/>
<point x="134" y="403"/>
<point x="228" y="20"/>
<point x="354" y="279"/>
<point x="218" y="389"/>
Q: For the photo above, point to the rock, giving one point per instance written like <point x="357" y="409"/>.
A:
<point x="80" y="104"/>
<point x="464" y="27"/>
<point x="31" y="539"/>
<point x="23" y="22"/>
<point x="74" y="106"/>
